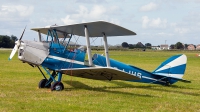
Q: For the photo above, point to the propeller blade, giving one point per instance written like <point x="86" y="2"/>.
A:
<point x="22" y="34"/>
<point x="17" y="44"/>
<point x="13" y="52"/>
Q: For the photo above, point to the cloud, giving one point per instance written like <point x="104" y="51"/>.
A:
<point x="23" y="11"/>
<point x="186" y="1"/>
<point x="149" y="7"/>
<point x="145" y="21"/>
<point x="153" y="23"/>
<point x="11" y="14"/>
<point x="182" y="30"/>
<point x="90" y="1"/>
<point x="189" y="25"/>
<point x="14" y="16"/>
<point x="67" y="20"/>
<point x="97" y="12"/>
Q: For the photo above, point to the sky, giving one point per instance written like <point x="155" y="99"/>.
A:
<point x="154" y="21"/>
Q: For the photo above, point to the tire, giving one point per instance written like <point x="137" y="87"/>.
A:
<point x="58" y="86"/>
<point x="42" y="84"/>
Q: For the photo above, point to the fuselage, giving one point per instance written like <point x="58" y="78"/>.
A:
<point x="55" y="56"/>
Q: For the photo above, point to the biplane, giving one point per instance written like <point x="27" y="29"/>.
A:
<point x="56" y="59"/>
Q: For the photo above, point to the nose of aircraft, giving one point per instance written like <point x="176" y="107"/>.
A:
<point x="17" y="44"/>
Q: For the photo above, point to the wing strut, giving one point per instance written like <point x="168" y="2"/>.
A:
<point x="39" y="36"/>
<point x="88" y="46"/>
<point x="106" y="50"/>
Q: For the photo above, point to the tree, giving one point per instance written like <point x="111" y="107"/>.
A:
<point x="179" y="45"/>
<point x="125" y="44"/>
<point x="6" y="41"/>
<point x="148" y="45"/>
<point x="13" y="38"/>
<point x="185" y="45"/>
<point x="172" y="46"/>
<point x="139" y="45"/>
<point x="131" y="46"/>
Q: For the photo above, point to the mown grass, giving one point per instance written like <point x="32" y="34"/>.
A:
<point x="19" y="91"/>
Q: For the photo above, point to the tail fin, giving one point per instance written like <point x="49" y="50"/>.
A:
<point x="173" y="68"/>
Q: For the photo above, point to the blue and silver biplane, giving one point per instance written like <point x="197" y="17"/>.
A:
<point x="54" y="57"/>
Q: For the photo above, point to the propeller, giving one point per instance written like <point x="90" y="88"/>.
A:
<point x="17" y="44"/>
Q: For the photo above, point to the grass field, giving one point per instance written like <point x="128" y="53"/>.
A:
<point x="19" y="88"/>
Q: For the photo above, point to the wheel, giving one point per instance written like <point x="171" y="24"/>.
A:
<point x="42" y="84"/>
<point x="167" y="84"/>
<point x="58" y="86"/>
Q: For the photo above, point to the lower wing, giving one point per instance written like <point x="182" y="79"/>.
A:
<point x="99" y="73"/>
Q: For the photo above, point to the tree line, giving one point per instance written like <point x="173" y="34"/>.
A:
<point x="178" y="45"/>
<point x="7" y="41"/>
<point x="138" y="45"/>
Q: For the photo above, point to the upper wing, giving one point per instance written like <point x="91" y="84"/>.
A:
<point x="100" y="73"/>
<point x="95" y="29"/>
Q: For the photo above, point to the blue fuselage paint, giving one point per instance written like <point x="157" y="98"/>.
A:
<point x="145" y="76"/>
<point x="58" y="59"/>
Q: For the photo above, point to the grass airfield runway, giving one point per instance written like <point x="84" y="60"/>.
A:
<point x="19" y="88"/>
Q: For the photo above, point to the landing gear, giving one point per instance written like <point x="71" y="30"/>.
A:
<point x="58" y="86"/>
<point x="167" y="83"/>
<point x="46" y="83"/>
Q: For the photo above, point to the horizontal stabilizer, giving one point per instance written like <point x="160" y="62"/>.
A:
<point x="183" y="80"/>
<point x="175" y="78"/>
<point x="99" y="73"/>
